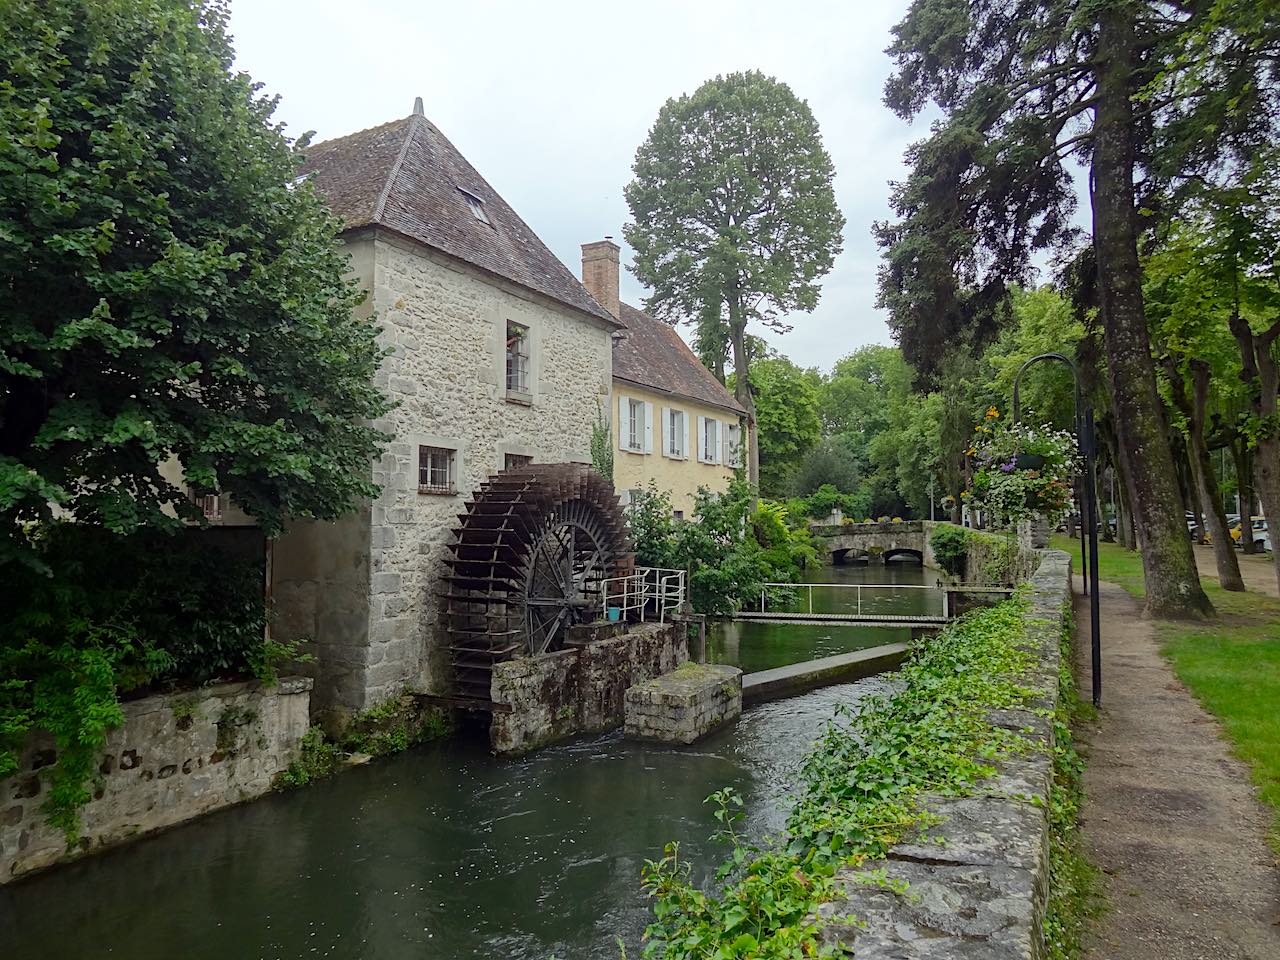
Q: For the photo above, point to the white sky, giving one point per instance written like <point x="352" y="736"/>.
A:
<point x="550" y="100"/>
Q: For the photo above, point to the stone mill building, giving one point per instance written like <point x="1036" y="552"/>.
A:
<point x="499" y="357"/>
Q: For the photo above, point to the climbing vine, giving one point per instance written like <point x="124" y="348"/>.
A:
<point x="861" y="789"/>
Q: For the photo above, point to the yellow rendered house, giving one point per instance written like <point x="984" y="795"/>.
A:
<point x="673" y="423"/>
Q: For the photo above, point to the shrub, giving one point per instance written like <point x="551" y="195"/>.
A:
<point x="950" y="548"/>
<point x="114" y="615"/>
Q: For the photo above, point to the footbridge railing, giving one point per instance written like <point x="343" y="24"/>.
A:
<point x="650" y="593"/>
<point x="854" y="611"/>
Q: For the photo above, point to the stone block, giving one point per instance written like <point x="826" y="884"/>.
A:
<point x="685" y="705"/>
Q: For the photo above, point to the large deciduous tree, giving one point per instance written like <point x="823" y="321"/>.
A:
<point x="786" y="401"/>
<point x="734" y="217"/>
<point x="1149" y="95"/>
<point x="169" y="291"/>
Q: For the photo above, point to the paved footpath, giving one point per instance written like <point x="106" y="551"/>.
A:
<point x="1170" y="817"/>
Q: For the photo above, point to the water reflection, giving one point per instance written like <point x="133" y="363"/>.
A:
<point x="442" y="852"/>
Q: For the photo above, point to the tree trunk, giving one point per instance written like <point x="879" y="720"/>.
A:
<point x="1266" y="455"/>
<point x="1242" y="457"/>
<point x="1260" y="372"/>
<point x="1224" y="551"/>
<point x="1188" y="485"/>
<point x="742" y="390"/>
<point x="1169" y="567"/>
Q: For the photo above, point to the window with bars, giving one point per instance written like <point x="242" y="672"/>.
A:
<point x="513" y="461"/>
<point x="437" y="470"/>
<point x="517" y="358"/>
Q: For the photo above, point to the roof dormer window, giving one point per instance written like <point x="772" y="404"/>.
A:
<point x="477" y="206"/>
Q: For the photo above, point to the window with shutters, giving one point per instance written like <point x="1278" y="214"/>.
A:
<point x="710" y="440"/>
<point x="633" y="428"/>
<point x="675" y="433"/>
<point x="436" y="470"/>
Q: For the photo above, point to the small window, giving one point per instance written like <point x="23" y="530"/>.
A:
<point x="477" y="206"/>
<point x="514" y="461"/>
<point x="634" y="427"/>
<point x="678" y="514"/>
<point x="517" y="358"/>
<point x="675" y="433"/>
<point x="436" y="470"/>
<point x="210" y="505"/>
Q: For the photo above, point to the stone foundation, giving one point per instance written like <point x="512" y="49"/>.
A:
<point x="175" y="757"/>
<point x="686" y="705"/>
<point x="579" y="689"/>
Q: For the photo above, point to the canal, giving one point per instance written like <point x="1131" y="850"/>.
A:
<point x="443" y="851"/>
<point x="754" y="645"/>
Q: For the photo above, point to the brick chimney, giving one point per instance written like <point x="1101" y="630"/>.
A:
<point x="600" y="273"/>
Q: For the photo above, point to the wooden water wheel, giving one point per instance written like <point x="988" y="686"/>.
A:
<point x="528" y="561"/>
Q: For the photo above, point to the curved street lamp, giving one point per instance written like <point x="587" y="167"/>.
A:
<point x="1088" y="559"/>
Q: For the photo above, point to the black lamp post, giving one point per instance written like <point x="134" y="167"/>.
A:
<point x="1089" y="558"/>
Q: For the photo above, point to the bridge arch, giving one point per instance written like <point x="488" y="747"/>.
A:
<point x="901" y="553"/>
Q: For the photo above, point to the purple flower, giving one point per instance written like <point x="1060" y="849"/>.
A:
<point x="1007" y="467"/>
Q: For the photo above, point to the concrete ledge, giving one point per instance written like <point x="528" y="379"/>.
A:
<point x="842" y="668"/>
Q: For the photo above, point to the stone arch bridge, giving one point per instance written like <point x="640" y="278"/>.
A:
<point x="877" y="542"/>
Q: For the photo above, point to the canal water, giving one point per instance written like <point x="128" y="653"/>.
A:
<point x="439" y="853"/>
<point x="756" y="645"/>
<point x="443" y="851"/>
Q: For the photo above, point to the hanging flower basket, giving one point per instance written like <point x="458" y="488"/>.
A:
<point x="1022" y="472"/>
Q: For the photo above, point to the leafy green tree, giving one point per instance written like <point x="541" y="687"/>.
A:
<point x="787" y="423"/>
<point x="829" y="464"/>
<point x="1191" y="338"/>
<point x="734" y="215"/>
<point x="169" y="289"/>
<point x="1141" y="90"/>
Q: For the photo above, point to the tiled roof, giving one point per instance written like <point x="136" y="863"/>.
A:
<point x="406" y="176"/>
<point x="650" y="353"/>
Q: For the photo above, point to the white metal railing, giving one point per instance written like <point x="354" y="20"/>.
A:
<point x="648" y="593"/>
<point x="857" y="587"/>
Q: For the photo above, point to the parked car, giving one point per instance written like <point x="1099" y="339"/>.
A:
<point x="1261" y="533"/>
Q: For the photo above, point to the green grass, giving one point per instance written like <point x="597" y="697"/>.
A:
<point x="1115" y="563"/>
<point x="1231" y="664"/>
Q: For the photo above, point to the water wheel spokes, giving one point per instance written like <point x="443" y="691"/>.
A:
<point x="530" y="560"/>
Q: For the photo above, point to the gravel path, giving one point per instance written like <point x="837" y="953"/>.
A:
<point x="1170" y="816"/>
<point x="1256" y="569"/>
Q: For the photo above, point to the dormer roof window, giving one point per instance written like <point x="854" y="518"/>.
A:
<point x="477" y="206"/>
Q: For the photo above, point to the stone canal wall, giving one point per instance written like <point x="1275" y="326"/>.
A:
<point x="175" y="757"/>
<point x="978" y="880"/>
<point x="578" y="690"/>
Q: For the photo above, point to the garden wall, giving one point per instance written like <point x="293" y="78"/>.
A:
<point x="977" y="881"/>
<point x="175" y="757"/>
<point x="580" y="689"/>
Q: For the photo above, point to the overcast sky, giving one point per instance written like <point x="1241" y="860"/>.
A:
<point x="550" y="100"/>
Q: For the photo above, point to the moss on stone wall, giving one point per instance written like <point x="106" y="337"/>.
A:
<point x="390" y="727"/>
